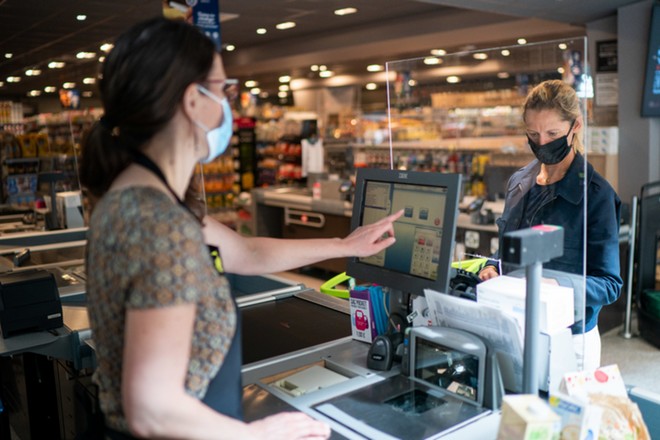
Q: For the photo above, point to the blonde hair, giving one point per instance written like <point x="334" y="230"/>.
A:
<point x="558" y="96"/>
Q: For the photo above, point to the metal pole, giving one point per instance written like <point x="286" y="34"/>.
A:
<point x="626" y="332"/>
<point x="531" y="359"/>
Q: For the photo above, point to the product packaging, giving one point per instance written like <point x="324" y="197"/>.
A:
<point x="527" y="417"/>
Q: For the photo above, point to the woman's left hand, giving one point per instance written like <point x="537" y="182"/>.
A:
<point x="370" y="239"/>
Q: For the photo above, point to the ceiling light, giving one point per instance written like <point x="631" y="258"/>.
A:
<point x="33" y="72"/>
<point x="50" y="89"/>
<point x="285" y="25"/>
<point x="505" y="52"/>
<point x="559" y="69"/>
<point x="101" y="59"/>
<point x="563" y="46"/>
<point x="314" y="68"/>
<point x="34" y="93"/>
<point x="522" y="41"/>
<point x="371" y="86"/>
<point x="282" y="94"/>
<point x="85" y="55"/>
<point x="438" y="52"/>
<point x="284" y="88"/>
<point x="345" y="11"/>
<point x="480" y="56"/>
<point x="431" y="61"/>
<point x="255" y="90"/>
<point x="326" y="74"/>
<point x="9" y="55"/>
<point x="503" y="75"/>
<point x="284" y="78"/>
<point x="106" y="47"/>
<point x="251" y="83"/>
<point x="89" y="80"/>
<point x="453" y="79"/>
<point x="13" y="79"/>
<point x="2" y="83"/>
<point x="374" y="68"/>
<point x="412" y="82"/>
<point x="323" y="67"/>
<point x="87" y="94"/>
<point x="81" y="17"/>
<point x="56" y="64"/>
<point x="230" y="48"/>
<point x="262" y="31"/>
<point x="69" y="85"/>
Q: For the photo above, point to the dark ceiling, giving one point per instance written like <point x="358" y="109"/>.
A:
<point x="36" y="32"/>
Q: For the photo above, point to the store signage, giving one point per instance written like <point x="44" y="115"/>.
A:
<point x="606" y="56"/>
<point x="205" y="14"/>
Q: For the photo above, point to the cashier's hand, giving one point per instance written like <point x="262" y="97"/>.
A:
<point x="488" y="272"/>
<point x="371" y="239"/>
<point x="289" y="425"/>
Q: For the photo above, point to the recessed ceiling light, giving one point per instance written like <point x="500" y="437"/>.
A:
<point x="56" y="64"/>
<point x="101" y="59"/>
<point x="374" y="68"/>
<point x="285" y="25"/>
<point x="505" y="52"/>
<point x="282" y="94"/>
<point x="81" y="17"/>
<point x="431" y="61"/>
<point x="33" y="72"/>
<point x="438" y="52"/>
<point x="453" y="79"/>
<point x="230" y="48"/>
<point x="522" y="41"/>
<point x="480" y="56"/>
<point x="563" y="46"/>
<point x="251" y="83"/>
<point x="323" y="67"/>
<point x="503" y="75"/>
<point x="284" y="88"/>
<point x="326" y="74"/>
<point x="255" y="90"/>
<point x="85" y="55"/>
<point x="314" y="68"/>
<point x="345" y="11"/>
<point x="9" y="55"/>
<point x="262" y="31"/>
<point x="2" y="83"/>
<point x="106" y="47"/>
<point x="412" y="82"/>
<point x="559" y="69"/>
<point x="13" y="79"/>
<point x="284" y="78"/>
<point x="371" y="86"/>
<point x="34" y="93"/>
<point x="89" y="80"/>
<point x="50" y="89"/>
<point x="87" y="94"/>
<point x="69" y="85"/>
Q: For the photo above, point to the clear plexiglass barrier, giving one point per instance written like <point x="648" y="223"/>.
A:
<point x="513" y="121"/>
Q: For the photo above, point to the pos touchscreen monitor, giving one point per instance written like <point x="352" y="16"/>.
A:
<point x="422" y="254"/>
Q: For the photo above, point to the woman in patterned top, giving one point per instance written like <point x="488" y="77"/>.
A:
<point x="163" y="319"/>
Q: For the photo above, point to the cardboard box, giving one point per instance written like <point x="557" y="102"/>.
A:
<point x="527" y="417"/>
<point x="508" y="294"/>
<point x="579" y="419"/>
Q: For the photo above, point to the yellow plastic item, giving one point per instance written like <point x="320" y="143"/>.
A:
<point x="473" y="265"/>
<point x="329" y="287"/>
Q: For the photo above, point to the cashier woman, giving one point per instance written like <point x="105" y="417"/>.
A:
<point x="164" y="322"/>
<point x="550" y="190"/>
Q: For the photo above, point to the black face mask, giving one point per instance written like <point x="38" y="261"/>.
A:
<point x="553" y="152"/>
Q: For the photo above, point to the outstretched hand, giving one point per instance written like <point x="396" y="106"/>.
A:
<point x="370" y="239"/>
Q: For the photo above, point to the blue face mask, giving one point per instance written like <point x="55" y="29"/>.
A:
<point x="217" y="138"/>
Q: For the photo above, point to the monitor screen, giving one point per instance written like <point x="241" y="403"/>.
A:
<point x="651" y="98"/>
<point x="421" y="256"/>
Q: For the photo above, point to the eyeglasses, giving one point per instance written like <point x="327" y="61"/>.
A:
<point x="229" y="86"/>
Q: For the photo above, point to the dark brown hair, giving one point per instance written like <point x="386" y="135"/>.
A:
<point x="142" y="83"/>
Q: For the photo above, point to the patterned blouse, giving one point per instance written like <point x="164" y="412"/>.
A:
<point x="145" y="251"/>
